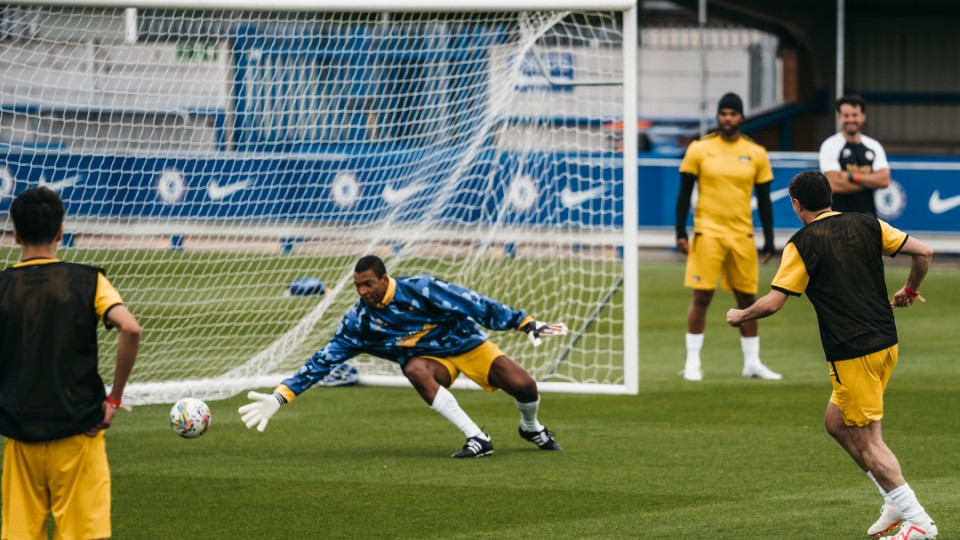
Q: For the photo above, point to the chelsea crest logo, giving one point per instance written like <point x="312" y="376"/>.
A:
<point x="890" y="201"/>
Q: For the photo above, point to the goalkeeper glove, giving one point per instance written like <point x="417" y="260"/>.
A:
<point x="535" y="329"/>
<point x="261" y="410"/>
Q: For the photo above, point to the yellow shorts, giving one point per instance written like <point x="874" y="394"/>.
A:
<point x="474" y="364"/>
<point x="734" y="259"/>
<point x="68" y="477"/>
<point x="859" y="394"/>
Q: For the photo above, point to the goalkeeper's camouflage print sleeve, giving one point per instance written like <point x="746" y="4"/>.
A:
<point x="453" y="298"/>
<point x="341" y="348"/>
<point x="425" y="316"/>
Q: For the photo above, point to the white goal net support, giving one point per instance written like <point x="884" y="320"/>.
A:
<point x="212" y="155"/>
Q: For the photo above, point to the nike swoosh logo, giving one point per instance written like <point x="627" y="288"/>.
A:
<point x="60" y="184"/>
<point x="774" y="197"/>
<point x="572" y="199"/>
<point x="939" y="206"/>
<point x="396" y="196"/>
<point x="216" y="192"/>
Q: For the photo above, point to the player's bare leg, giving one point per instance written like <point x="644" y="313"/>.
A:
<point x="877" y="456"/>
<point x="510" y="377"/>
<point x="696" y="323"/>
<point x="838" y="429"/>
<point x="427" y="376"/>
<point x="881" y="461"/>
<point x="890" y="515"/>
<point x="697" y="312"/>
<point x="744" y="300"/>
<point x="431" y="379"/>
<point x="750" y="342"/>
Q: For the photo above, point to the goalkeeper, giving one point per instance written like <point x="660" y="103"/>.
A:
<point x="429" y="327"/>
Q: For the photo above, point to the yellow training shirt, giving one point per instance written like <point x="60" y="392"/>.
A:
<point x="726" y="173"/>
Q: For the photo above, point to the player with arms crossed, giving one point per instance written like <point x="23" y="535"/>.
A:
<point x="855" y="164"/>
<point x="836" y="258"/>
<point x="429" y="327"/>
<point x="726" y="167"/>
<point x="53" y="405"/>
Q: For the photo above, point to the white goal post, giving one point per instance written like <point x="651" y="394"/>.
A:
<point x="212" y="154"/>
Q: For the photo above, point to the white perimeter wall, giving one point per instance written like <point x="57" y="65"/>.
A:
<point x="668" y="86"/>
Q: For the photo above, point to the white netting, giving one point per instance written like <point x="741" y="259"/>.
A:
<point x="207" y="160"/>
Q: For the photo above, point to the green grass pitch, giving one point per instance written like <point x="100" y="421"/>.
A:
<point x="724" y="458"/>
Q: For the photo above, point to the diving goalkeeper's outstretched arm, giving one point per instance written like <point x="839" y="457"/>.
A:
<point x="263" y="406"/>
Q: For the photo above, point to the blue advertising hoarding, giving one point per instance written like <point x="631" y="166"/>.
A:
<point x="924" y="194"/>
<point x="517" y="189"/>
<point x="528" y="189"/>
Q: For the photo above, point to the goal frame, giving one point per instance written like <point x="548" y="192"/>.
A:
<point x="629" y="239"/>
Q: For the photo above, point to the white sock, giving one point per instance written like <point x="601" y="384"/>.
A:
<point x="694" y="344"/>
<point x="874" y="480"/>
<point x="751" y="350"/>
<point x="528" y="415"/>
<point x="906" y="501"/>
<point x="445" y="404"/>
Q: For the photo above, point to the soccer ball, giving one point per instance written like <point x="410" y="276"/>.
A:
<point x="190" y="418"/>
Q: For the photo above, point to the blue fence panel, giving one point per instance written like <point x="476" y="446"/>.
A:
<point x="537" y="189"/>
<point x="924" y="193"/>
<point x="516" y="189"/>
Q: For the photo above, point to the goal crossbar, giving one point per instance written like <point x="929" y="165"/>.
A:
<point x="348" y="6"/>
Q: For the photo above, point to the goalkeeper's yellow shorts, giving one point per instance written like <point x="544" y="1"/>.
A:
<point x="474" y="364"/>
<point x="69" y="478"/>
<point x="859" y="392"/>
<point x="734" y="259"/>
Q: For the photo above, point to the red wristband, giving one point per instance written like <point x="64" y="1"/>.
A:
<point x="911" y="292"/>
<point x="113" y="402"/>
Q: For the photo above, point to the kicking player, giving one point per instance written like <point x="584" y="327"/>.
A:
<point x="427" y="326"/>
<point x="836" y="258"/>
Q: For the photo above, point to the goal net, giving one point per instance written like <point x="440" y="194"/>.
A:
<point x="219" y="164"/>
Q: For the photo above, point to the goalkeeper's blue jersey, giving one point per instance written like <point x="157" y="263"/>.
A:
<point x="418" y="316"/>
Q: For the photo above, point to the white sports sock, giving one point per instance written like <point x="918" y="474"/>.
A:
<point x="751" y="350"/>
<point x="906" y="501"/>
<point x="445" y="404"/>
<point x="694" y="344"/>
<point x="874" y="480"/>
<point x="528" y="415"/>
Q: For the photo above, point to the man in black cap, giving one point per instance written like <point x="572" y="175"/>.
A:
<point x="727" y="167"/>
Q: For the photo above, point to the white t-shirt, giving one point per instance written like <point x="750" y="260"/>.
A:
<point x="867" y="156"/>
<point x="836" y="153"/>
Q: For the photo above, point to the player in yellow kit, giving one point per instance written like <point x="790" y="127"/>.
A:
<point x="53" y="404"/>
<point x="726" y="168"/>
<point x="837" y="260"/>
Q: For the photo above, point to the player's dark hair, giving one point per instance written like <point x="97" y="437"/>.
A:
<point x="37" y="215"/>
<point x="812" y="190"/>
<point x="371" y="262"/>
<point x="854" y="100"/>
